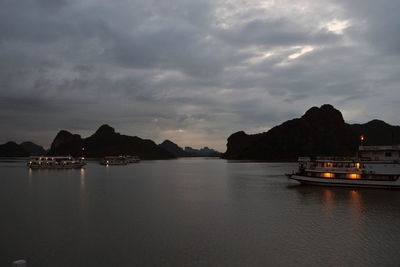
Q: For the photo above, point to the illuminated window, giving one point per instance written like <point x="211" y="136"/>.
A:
<point x="353" y="176"/>
<point x="328" y="175"/>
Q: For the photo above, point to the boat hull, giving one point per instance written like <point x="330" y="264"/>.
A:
<point x="346" y="182"/>
<point x="113" y="163"/>
<point x="72" y="166"/>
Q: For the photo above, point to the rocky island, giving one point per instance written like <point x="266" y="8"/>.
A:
<point x="320" y="131"/>
<point x="106" y="142"/>
<point x="188" y="151"/>
<point x="25" y="149"/>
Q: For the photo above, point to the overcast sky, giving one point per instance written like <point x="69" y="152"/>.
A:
<point x="193" y="71"/>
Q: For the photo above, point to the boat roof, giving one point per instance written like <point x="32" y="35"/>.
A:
<point x="345" y="160"/>
<point x="52" y="157"/>
<point x="379" y="148"/>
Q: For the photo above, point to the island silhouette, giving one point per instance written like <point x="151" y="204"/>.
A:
<point x="320" y="131"/>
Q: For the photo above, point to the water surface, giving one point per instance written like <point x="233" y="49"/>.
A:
<point x="191" y="212"/>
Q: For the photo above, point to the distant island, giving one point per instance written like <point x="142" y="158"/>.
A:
<point x="320" y="131"/>
<point x="25" y="149"/>
<point x="188" y="151"/>
<point x="104" y="142"/>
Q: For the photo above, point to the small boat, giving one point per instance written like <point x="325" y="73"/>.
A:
<point x="373" y="166"/>
<point x="114" y="160"/>
<point x="132" y="159"/>
<point x="63" y="162"/>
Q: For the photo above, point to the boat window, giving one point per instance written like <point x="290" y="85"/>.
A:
<point x="388" y="154"/>
<point x="328" y="175"/>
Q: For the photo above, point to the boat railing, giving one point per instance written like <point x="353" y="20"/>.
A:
<point x="335" y="169"/>
<point x="320" y="158"/>
<point x="379" y="148"/>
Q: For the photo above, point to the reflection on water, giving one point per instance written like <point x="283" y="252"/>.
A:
<point x="328" y="201"/>
<point x="83" y="203"/>
<point x="355" y="205"/>
<point x="334" y="198"/>
<point x="82" y="170"/>
<point x="30" y="191"/>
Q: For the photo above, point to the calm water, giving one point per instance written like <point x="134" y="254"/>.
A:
<point x="191" y="212"/>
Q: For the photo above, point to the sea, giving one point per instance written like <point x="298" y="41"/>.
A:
<point x="191" y="212"/>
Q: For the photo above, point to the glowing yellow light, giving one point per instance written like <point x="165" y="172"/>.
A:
<point x="357" y="165"/>
<point x="353" y="176"/>
<point x="362" y="137"/>
<point x="328" y="175"/>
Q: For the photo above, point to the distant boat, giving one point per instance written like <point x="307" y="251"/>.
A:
<point x="132" y="159"/>
<point x="62" y="162"/>
<point x="374" y="166"/>
<point x="114" y="160"/>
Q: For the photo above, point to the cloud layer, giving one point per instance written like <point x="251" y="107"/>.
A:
<point x="192" y="71"/>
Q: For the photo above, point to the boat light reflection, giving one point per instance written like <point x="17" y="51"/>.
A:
<point x="328" y="201"/>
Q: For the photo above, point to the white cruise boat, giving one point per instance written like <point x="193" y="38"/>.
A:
<point x="374" y="166"/>
<point x="63" y="162"/>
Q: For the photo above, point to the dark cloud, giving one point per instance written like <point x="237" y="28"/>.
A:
<point x="377" y="23"/>
<point x="192" y="71"/>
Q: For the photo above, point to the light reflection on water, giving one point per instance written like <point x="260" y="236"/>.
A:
<point x="328" y="200"/>
<point x="356" y="205"/>
<point x="82" y="179"/>
<point x="191" y="212"/>
<point x="331" y="202"/>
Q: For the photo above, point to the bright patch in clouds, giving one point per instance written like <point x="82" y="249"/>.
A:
<point x="303" y="50"/>
<point x="336" y="26"/>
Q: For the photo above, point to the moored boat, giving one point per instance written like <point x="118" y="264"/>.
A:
<point x="60" y="162"/>
<point x="114" y="160"/>
<point x="132" y="159"/>
<point x="373" y="166"/>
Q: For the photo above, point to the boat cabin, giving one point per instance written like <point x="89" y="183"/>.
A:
<point x="379" y="153"/>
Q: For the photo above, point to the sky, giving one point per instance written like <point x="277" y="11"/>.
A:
<point x="193" y="71"/>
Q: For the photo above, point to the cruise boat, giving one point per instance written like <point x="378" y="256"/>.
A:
<point x="63" y="162"/>
<point x="373" y="166"/>
<point x="114" y="160"/>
